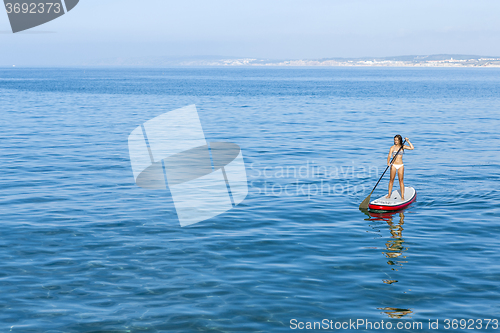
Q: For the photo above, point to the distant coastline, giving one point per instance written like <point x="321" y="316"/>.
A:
<point x="439" y="60"/>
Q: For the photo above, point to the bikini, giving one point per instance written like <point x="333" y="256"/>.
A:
<point x="394" y="153"/>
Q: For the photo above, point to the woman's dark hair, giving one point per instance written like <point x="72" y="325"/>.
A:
<point x="400" y="139"/>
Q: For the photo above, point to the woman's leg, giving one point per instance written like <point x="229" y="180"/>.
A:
<point x="391" y="181"/>
<point x="401" y="173"/>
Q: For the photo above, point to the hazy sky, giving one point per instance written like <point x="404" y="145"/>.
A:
<point x="275" y="29"/>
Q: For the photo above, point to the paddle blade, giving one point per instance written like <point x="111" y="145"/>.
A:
<point x="366" y="202"/>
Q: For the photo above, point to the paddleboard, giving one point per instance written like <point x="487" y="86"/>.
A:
<point x="394" y="202"/>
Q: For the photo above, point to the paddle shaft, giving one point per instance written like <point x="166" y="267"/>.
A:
<point x="388" y="166"/>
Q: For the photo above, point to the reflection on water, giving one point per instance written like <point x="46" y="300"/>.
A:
<point x="396" y="312"/>
<point x="389" y="281"/>
<point x="395" y="244"/>
<point x="394" y="250"/>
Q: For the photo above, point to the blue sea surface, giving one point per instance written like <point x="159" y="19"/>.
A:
<point x="84" y="249"/>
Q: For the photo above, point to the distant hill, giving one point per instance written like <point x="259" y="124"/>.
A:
<point x="434" y="60"/>
<point x="155" y="61"/>
<point x="417" y="58"/>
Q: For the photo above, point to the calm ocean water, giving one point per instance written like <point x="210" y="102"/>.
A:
<point x="85" y="250"/>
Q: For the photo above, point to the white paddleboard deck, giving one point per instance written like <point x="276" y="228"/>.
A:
<point x="394" y="202"/>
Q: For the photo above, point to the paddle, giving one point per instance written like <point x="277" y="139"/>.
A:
<point x="366" y="202"/>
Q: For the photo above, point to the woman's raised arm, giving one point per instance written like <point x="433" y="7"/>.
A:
<point x="410" y="147"/>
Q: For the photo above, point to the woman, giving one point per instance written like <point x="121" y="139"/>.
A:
<point x="397" y="165"/>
